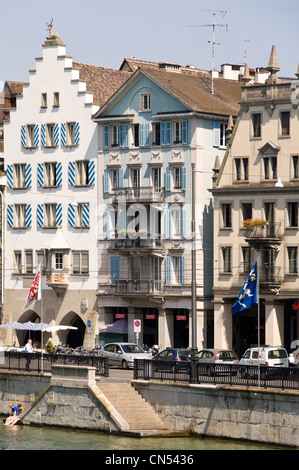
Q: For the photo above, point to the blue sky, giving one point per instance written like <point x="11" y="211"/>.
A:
<point x="104" y="32"/>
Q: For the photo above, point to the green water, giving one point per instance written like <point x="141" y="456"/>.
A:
<point x="44" y="438"/>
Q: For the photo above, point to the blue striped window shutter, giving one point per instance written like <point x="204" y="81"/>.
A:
<point x="40" y="215"/>
<point x="168" y="223"/>
<point x="106" y="180"/>
<point x="58" y="174"/>
<point x="23" y="136"/>
<point x="28" y="215"/>
<point x="182" y="270"/>
<point x="77" y="133"/>
<point x="216" y="134"/>
<point x="72" y="173"/>
<point x="43" y="135"/>
<point x="59" y="215"/>
<point x="185" y="132"/>
<point x="91" y="172"/>
<point x="56" y="135"/>
<point x="10" y="215"/>
<point x="36" y="135"/>
<point x="168" y="270"/>
<point x="9" y="175"/>
<point x="183" y="178"/>
<point x="40" y="175"/>
<point x="114" y="268"/>
<point x="167" y="176"/>
<point x="106" y="136"/>
<point x="63" y="134"/>
<point x="28" y="175"/>
<point x="85" y="218"/>
<point x="183" y="223"/>
<point x="71" y="215"/>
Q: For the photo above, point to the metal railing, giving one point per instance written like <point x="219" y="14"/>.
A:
<point x="36" y="362"/>
<point x="138" y="286"/>
<point x="269" y="231"/>
<point x="218" y="374"/>
<point x="141" y="193"/>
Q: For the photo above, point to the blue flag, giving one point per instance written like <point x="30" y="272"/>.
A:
<point x="248" y="294"/>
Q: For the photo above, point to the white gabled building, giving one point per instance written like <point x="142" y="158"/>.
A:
<point x="51" y="195"/>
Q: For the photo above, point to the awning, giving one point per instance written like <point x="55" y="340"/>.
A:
<point x="36" y="326"/>
<point x="120" y="326"/>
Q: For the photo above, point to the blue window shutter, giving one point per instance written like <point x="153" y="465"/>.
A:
<point x="91" y="172"/>
<point x="59" y="215"/>
<point x="56" y="135"/>
<point x="10" y="215"/>
<point x="28" y="175"/>
<point x="36" y="136"/>
<point x="72" y="174"/>
<point x="86" y="214"/>
<point x="77" y="133"/>
<point x="40" y="215"/>
<point x="182" y="271"/>
<point x="43" y="135"/>
<point x="168" y="178"/>
<point x="23" y="136"/>
<point x="28" y="215"/>
<point x="120" y="178"/>
<point x="63" y="134"/>
<point x="183" y="223"/>
<point x="40" y="175"/>
<point x="106" y="219"/>
<point x="147" y="135"/>
<point x="168" y="270"/>
<point x="168" y="133"/>
<point x="121" y="135"/>
<point x="121" y="225"/>
<point x="162" y="133"/>
<point x="168" y="223"/>
<point x="9" y="174"/>
<point x="185" y="132"/>
<point x="106" y="136"/>
<point x="71" y="216"/>
<point x="126" y="135"/>
<point x="141" y="135"/>
<point x="183" y="178"/>
<point x="114" y="269"/>
<point x="216" y="134"/>
<point x="106" y="180"/>
<point x="58" y="174"/>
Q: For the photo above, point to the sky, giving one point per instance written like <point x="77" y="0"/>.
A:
<point x="104" y="32"/>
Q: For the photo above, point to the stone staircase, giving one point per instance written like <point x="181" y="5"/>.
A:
<point x="139" y="414"/>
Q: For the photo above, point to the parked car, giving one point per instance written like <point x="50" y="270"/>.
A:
<point x="123" y="354"/>
<point x="173" y="359"/>
<point x="270" y="356"/>
<point x="213" y="357"/>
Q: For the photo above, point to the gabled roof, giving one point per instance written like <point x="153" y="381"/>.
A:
<point x="101" y="81"/>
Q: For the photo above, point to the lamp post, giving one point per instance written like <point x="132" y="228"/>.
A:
<point x="194" y="350"/>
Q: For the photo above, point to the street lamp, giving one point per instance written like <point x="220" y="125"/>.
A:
<point x="194" y="350"/>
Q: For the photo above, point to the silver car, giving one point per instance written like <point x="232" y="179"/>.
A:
<point x="123" y="354"/>
<point x="211" y="357"/>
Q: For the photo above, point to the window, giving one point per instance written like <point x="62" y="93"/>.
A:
<point x="222" y="135"/>
<point x="156" y="133"/>
<point x="175" y="270"/>
<point x="50" y="215"/>
<point x="19" y="176"/>
<point x="293" y="259"/>
<point x="50" y="174"/>
<point x="82" y="172"/>
<point x="114" y="178"/>
<point x="226" y="259"/>
<point x="226" y="215"/>
<point x="295" y="167"/>
<point x="270" y="168"/>
<point x="156" y="178"/>
<point x="292" y="208"/>
<point x="256" y="125"/>
<point x="177" y="132"/>
<point x="135" y="177"/>
<point x="177" y="177"/>
<point x="80" y="262"/>
<point x="285" y="123"/>
<point x="246" y="259"/>
<point x="56" y="99"/>
<point x="20" y="215"/>
<point x="71" y="133"/>
<point x="30" y="136"/>
<point x="44" y="100"/>
<point x="136" y="135"/>
<point x="241" y="169"/>
<point x="145" y="102"/>
<point x="246" y="211"/>
<point x="59" y="261"/>
<point x="82" y="215"/>
<point x="50" y="135"/>
<point x="17" y="262"/>
<point x="28" y="262"/>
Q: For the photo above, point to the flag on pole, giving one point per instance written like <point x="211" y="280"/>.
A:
<point x="35" y="289"/>
<point x="249" y="293"/>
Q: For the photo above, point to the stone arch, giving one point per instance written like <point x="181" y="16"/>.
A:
<point x="23" y="335"/>
<point x="72" y="338"/>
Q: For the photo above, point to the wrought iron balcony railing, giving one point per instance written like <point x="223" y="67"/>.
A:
<point x="138" y="194"/>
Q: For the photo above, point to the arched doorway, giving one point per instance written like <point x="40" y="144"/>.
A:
<point x="24" y="335"/>
<point x="73" y="338"/>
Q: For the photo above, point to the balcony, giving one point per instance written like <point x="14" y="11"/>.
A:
<point x="139" y="194"/>
<point x="267" y="236"/>
<point x="138" y="287"/>
<point x="144" y="246"/>
<point x="58" y="280"/>
<point x="269" y="276"/>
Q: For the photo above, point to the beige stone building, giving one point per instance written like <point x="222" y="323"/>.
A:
<point x="259" y="179"/>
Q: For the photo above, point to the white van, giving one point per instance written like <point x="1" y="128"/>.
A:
<point x="272" y="356"/>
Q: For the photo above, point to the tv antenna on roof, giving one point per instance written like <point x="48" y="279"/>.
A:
<point x="213" y="26"/>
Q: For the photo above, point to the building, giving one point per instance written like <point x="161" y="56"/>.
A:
<point x="161" y="121"/>
<point x="51" y="194"/>
<point x="256" y="197"/>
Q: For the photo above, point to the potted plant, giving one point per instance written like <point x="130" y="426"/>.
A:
<point x="252" y="223"/>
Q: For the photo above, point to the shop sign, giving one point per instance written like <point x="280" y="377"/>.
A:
<point x="119" y="316"/>
<point x="150" y="316"/>
<point x="181" y="317"/>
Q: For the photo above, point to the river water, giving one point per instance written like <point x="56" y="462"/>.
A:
<point x="45" y="438"/>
